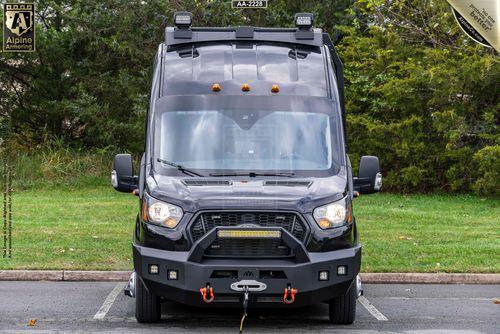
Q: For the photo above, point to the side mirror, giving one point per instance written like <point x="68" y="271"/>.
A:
<point x="122" y="176"/>
<point x="369" y="178"/>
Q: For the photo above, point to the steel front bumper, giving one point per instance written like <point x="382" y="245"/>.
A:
<point x="195" y="271"/>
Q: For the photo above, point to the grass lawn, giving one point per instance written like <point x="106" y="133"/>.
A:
<point x="91" y="228"/>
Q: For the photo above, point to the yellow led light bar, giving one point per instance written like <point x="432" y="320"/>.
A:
<point x="248" y="234"/>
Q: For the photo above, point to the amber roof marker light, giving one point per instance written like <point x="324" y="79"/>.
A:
<point x="275" y="88"/>
<point x="216" y="87"/>
<point x="245" y="87"/>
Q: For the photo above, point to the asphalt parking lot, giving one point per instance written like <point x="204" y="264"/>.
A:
<point x="46" y="307"/>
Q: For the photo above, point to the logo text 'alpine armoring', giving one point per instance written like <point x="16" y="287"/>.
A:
<point x="19" y="27"/>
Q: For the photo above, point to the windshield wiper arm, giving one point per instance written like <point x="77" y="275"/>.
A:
<point x="180" y="167"/>
<point x="253" y="174"/>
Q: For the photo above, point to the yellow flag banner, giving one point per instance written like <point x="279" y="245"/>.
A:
<point x="479" y="19"/>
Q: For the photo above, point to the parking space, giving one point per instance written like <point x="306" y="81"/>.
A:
<point x="102" y="307"/>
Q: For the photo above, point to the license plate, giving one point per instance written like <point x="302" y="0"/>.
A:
<point x="249" y="4"/>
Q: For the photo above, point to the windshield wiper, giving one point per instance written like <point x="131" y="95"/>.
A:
<point x="180" y="167"/>
<point x="253" y="174"/>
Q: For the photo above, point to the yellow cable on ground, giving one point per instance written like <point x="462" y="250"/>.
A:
<point x="241" y="322"/>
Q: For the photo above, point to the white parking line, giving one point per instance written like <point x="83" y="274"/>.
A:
<point x="108" y="302"/>
<point x="372" y="309"/>
<point x="439" y="298"/>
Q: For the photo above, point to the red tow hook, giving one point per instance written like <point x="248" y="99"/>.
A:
<point x="208" y="290"/>
<point x="289" y="296"/>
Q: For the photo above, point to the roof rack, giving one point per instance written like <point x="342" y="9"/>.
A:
<point x="174" y="36"/>
<point x="183" y="33"/>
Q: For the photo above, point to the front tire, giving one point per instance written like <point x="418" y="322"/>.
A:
<point x="147" y="304"/>
<point x="342" y="309"/>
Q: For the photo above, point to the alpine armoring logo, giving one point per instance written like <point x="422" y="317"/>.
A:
<point x="19" y="27"/>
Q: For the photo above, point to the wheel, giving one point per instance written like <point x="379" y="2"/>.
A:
<point x="147" y="304"/>
<point x="342" y="309"/>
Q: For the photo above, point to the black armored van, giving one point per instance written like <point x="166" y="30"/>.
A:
<point x="245" y="187"/>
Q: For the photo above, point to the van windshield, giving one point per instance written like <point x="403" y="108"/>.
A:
<point x="252" y="140"/>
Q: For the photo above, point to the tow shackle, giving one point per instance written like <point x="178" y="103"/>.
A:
<point x="207" y="291"/>
<point x="289" y="295"/>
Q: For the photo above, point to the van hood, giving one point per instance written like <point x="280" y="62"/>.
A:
<point x="247" y="193"/>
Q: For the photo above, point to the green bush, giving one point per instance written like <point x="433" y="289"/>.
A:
<point x="421" y="96"/>
<point x="488" y="162"/>
<point x="58" y="166"/>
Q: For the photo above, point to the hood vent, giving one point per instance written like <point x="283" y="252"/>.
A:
<point x="199" y="183"/>
<point x="288" y="183"/>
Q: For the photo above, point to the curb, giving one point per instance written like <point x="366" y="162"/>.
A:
<point x="64" y="275"/>
<point x="110" y="276"/>
<point x="31" y="275"/>
<point x="367" y="278"/>
<point x="429" y="278"/>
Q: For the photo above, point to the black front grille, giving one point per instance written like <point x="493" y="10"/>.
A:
<point x="207" y="221"/>
<point x="248" y="248"/>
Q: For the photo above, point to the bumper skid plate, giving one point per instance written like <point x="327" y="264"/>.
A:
<point x="266" y="278"/>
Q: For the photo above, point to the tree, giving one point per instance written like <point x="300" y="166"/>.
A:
<point x="419" y="93"/>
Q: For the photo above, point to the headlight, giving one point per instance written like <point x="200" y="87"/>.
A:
<point x="161" y="213"/>
<point x="332" y="215"/>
